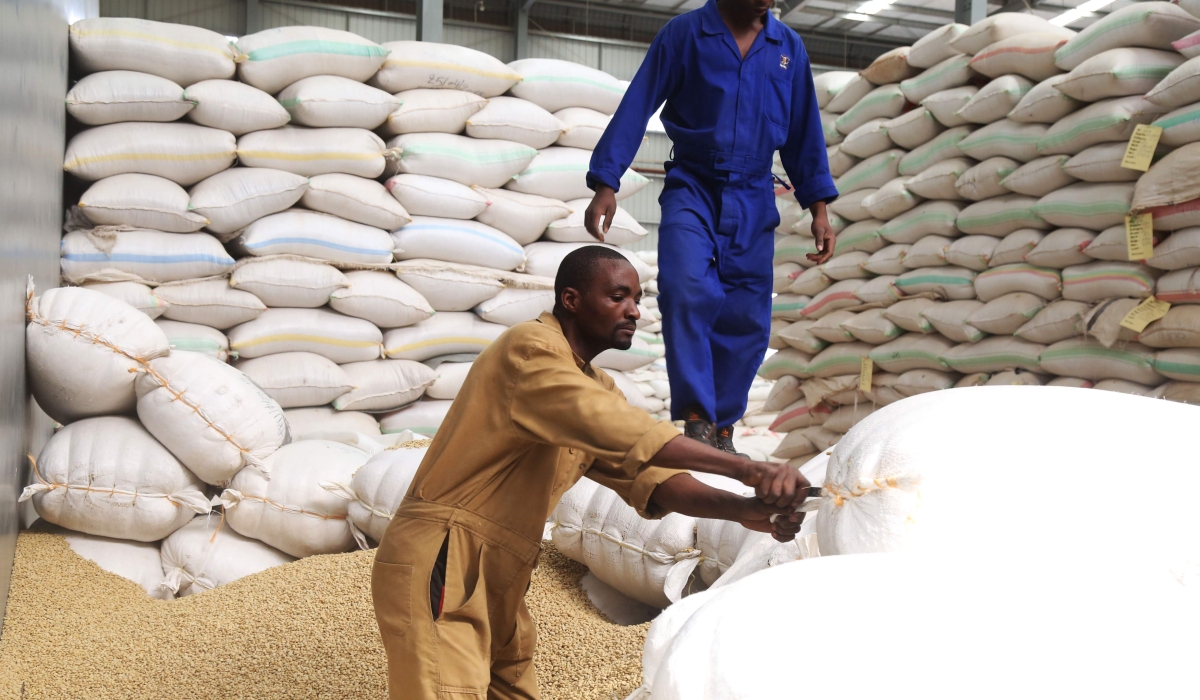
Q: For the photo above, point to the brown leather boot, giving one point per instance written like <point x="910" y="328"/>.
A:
<point x="697" y="427"/>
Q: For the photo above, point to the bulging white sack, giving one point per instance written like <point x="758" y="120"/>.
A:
<point x="490" y="163"/>
<point x="378" y="297"/>
<point x="1119" y="72"/>
<point x="234" y="107"/>
<point x="307" y="423"/>
<point x="1152" y="25"/>
<point x="522" y="216"/>
<point x="453" y="240"/>
<point x="203" y="555"/>
<point x="449" y="378"/>
<point x="934" y="47"/>
<point x="380" y="485"/>
<point x="310" y="152"/>
<point x="316" y="235"/>
<point x="425" y="195"/>
<point x="1003" y="26"/>
<point x="584" y="127"/>
<point x="543" y="258"/>
<point x="272" y="59"/>
<point x="297" y="379"/>
<point x="447" y="333"/>
<point x="177" y="52"/>
<point x="432" y="111"/>
<point x="235" y="198"/>
<point x="288" y="281"/>
<point x="623" y="230"/>
<point x="330" y="100"/>
<point x="115" y="254"/>
<point x="423" y="418"/>
<point x="384" y="385"/>
<point x="450" y="286"/>
<point x="561" y="173"/>
<point x="638" y="355"/>
<point x="139" y="562"/>
<point x="182" y="153"/>
<point x="209" y="302"/>
<point x="424" y="64"/>
<point x="512" y="306"/>
<point x="355" y="199"/>
<point x="192" y="337"/>
<point x="1030" y="54"/>
<point x="513" y="119"/>
<point x="140" y="201"/>
<point x="340" y="338"/>
<point x="1044" y="104"/>
<point x="126" y="96"/>
<point x="553" y="85"/>
<point x="136" y="294"/>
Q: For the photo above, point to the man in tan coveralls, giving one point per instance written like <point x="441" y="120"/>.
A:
<point x="532" y="418"/>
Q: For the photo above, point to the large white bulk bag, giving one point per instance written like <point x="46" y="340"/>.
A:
<point x="583" y="127"/>
<point x="944" y="105"/>
<point x="543" y="258"/>
<point x="1000" y="216"/>
<point x="1039" y="177"/>
<point x="432" y="111"/>
<point x="490" y="163"/>
<point x="82" y="348"/>
<point x="425" y="195"/>
<point x="944" y="146"/>
<point x="140" y="201"/>
<point x="935" y="47"/>
<point x="561" y="173"/>
<point x="306" y="423"/>
<point x="380" y="485"/>
<point x="340" y="338"/>
<point x="384" y="385"/>
<point x="459" y="241"/>
<point x="513" y="119"/>
<point x="311" y="152"/>
<point x="1004" y="138"/>
<point x="116" y="254"/>
<point x="235" y="198"/>
<point x="553" y="85"/>
<point x="522" y="216"/>
<point x="203" y="555"/>
<point x="648" y="560"/>
<point x="272" y="59"/>
<point x="449" y="378"/>
<point x="423" y="418"/>
<point x="423" y="64"/>
<point x="950" y="73"/>
<point x="293" y="510"/>
<point x="137" y="561"/>
<point x="512" y="306"/>
<point x="1100" y="122"/>
<point x="1003" y="26"/>
<point x="192" y="337"/>
<point x="177" y="52"/>
<point x="288" y="281"/>
<point x="126" y="96"/>
<point x="210" y="415"/>
<point x="356" y="199"/>
<point x="136" y="294"/>
<point x="1092" y="205"/>
<point x="378" y="297"/>
<point x="330" y="100"/>
<point x="996" y="99"/>
<point x="447" y="333"/>
<point x="297" y="379"/>
<point x="182" y="153"/>
<point x="234" y="107"/>
<point x="209" y="302"/>
<point x="885" y="101"/>
<point x="1030" y="54"/>
<point x="316" y="235"/>
<point x="623" y="230"/>
<point x="1044" y="104"/>
<point x="450" y="286"/>
<point x="1119" y="72"/>
<point x="1150" y="24"/>
<point x="1089" y="359"/>
<point x="107" y="476"/>
<point x="913" y="128"/>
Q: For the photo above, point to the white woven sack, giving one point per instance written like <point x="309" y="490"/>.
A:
<point x="272" y="59"/>
<point x="1004" y="26"/>
<point x="850" y="206"/>
<point x="307" y="423"/>
<point x="107" y="476"/>
<point x="982" y="181"/>
<point x="637" y="356"/>
<point x="384" y="385"/>
<point x="82" y="347"/>
<point x="422" y="64"/>
<point x="888" y="261"/>
<point x="355" y="198"/>
<point x="1014" y="246"/>
<point x="330" y="100"/>
<point x="512" y="306"/>
<point x="140" y="201"/>
<point x="1106" y="279"/>
<point x="210" y="415"/>
<point x="126" y="96"/>
<point x="209" y="302"/>
<point x="1062" y="248"/>
<point x="513" y="119"/>
<point x="1169" y="190"/>
<point x="432" y="111"/>
<point x="829" y="127"/>
<point x="1091" y="205"/>
<point x="996" y="99"/>
<point x="1018" y="277"/>
<point x="447" y="333"/>
<point x="890" y="201"/>
<point x="1119" y="72"/>
<point x="861" y="236"/>
<point x="1087" y="358"/>
<point x="316" y="235"/>
<point x="561" y="173"/>
<point x="449" y="286"/>
<point x="1060" y="320"/>
<point x="994" y="354"/>
<point x="851" y="92"/>
<point x="234" y="107"/>
<point x="944" y="146"/>
<point x="937" y="181"/>
<point x="490" y="163"/>
<point x="423" y="418"/>
<point x="381" y="484"/>
<point x="310" y="152"/>
<point x="873" y="172"/>
<point x="1151" y="24"/>
<point x="1179" y="287"/>
<point x="1101" y="122"/>
<point x="829" y="84"/>
<point x="944" y="282"/>
<point x="1039" y="177"/>
<point x="789" y="306"/>
<point x="137" y="561"/>
<point x="543" y="258"/>
<point x="288" y="281"/>
<point x="930" y="218"/>
<point x="885" y="101"/>
<point x="1180" y="127"/>
<point x="1189" y="45"/>
<point x="950" y="319"/>
<point x="340" y="338"/>
<point x="951" y="73"/>
<point x="449" y="378"/>
<point x="136" y="294"/>
<point x="425" y="195"/>
<point x="454" y="240"/>
<point x="1044" y="104"/>
<point x="377" y="296"/>
<point x="296" y="510"/>
<point x="202" y="555"/>
<point x="297" y="379"/>
<point x="921" y="349"/>
<point x="867" y="140"/>
<point x="1180" y="328"/>
<point x="1030" y="54"/>
<point x="182" y="153"/>
<point x="1109" y="244"/>
<point x="1181" y="249"/>
<point x="553" y="85"/>
<point x="583" y="127"/>
<point x="648" y="560"/>
<point x="1004" y="138"/>
<point x="235" y="198"/>
<point x="191" y="337"/>
<point x="113" y="255"/>
<point x="944" y="105"/>
<point x="930" y="251"/>
<point x="1006" y="314"/>
<point x="847" y="266"/>
<point x="913" y="128"/>
<point x="623" y="230"/>
<point x="177" y="52"/>
<point x="522" y="216"/>
<point x="972" y="252"/>
<point x="807" y="283"/>
<point x="934" y="47"/>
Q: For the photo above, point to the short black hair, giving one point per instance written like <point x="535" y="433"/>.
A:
<point x="580" y="268"/>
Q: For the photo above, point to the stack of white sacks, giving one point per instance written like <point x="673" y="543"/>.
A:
<point x="982" y="221"/>
<point x="392" y="210"/>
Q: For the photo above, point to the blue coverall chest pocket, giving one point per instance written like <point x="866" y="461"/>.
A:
<point x="777" y="105"/>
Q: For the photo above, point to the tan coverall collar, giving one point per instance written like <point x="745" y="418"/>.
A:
<point x="550" y="320"/>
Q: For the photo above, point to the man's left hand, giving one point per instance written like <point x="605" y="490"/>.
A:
<point x="822" y="233"/>
<point x="756" y="516"/>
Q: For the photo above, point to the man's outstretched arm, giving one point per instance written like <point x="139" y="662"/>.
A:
<point x="685" y="494"/>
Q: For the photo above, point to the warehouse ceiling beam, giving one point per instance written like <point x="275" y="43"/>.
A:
<point x="429" y="20"/>
<point x="895" y="21"/>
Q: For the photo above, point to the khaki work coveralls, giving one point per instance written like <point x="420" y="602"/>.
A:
<point x="531" y="419"/>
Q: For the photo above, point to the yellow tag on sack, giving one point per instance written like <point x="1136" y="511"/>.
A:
<point x="864" y="374"/>
<point x="1144" y="314"/>
<point x="1140" y="150"/>
<point x="1139" y="236"/>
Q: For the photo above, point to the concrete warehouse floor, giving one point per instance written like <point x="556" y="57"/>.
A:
<point x="302" y="630"/>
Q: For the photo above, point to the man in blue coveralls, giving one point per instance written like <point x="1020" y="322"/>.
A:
<point x="737" y="87"/>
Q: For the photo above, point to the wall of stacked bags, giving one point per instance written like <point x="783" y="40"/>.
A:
<point x="982" y="221"/>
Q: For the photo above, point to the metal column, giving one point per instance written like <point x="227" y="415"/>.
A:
<point x="253" y="18"/>
<point x="429" y="20"/>
<point x="521" y="29"/>
<point x="969" y="11"/>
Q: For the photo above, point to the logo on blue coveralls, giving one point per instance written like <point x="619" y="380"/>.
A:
<point x="784" y="61"/>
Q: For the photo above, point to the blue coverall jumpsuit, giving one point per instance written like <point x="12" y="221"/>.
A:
<point x="726" y="116"/>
